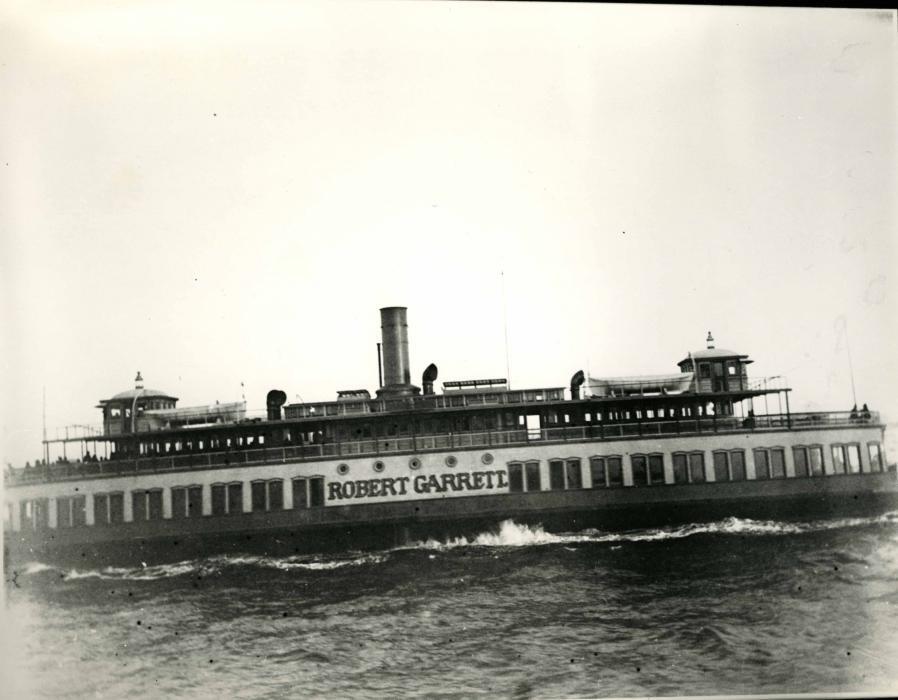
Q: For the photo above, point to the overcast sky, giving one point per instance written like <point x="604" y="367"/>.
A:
<point x="216" y="193"/>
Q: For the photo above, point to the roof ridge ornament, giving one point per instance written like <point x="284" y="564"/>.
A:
<point x="138" y="381"/>
<point x="710" y="341"/>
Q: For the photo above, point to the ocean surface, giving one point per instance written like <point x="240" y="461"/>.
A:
<point x="735" y="606"/>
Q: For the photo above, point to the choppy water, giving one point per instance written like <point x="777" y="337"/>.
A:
<point x="737" y="606"/>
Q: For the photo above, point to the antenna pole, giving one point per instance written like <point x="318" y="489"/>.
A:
<point x="380" y="369"/>
<point x="46" y="445"/>
<point x="505" y="327"/>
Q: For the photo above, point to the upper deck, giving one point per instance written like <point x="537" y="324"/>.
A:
<point x="260" y="451"/>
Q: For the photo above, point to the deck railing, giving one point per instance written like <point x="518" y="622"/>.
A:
<point x="428" y="401"/>
<point x="431" y="443"/>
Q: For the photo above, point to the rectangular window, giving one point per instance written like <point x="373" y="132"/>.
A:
<point x="101" y="509"/>
<point x="154" y="504"/>
<point x="63" y="512"/>
<point x="875" y="456"/>
<point x="556" y="475"/>
<point x="640" y="470"/>
<point x="178" y="503"/>
<point x="195" y="502"/>
<point x="235" y="498"/>
<point x="316" y="491"/>
<point x="117" y="507"/>
<point x="615" y="471"/>
<point x="300" y="494"/>
<point x="258" y="495"/>
<point x="838" y="459"/>
<point x="276" y="494"/>
<point x="79" y="511"/>
<point x="800" y="457"/>
<point x="721" y="467"/>
<point x="597" y="469"/>
<point x="219" y="502"/>
<point x="815" y="458"/>
<point x="737" y="465"/>
<point x="574" y="474"/>
<point x="762" y="465"/>
<point x="697" y="467"/>
<point x="533" y="478"/>
<point x="854" y="458"/>
<point x="680" y="469"/>
<point x="656" y="469"/>
<point x="778" y="463"/>
<point x="138" y="506"/>
<point x="515" y="478"/>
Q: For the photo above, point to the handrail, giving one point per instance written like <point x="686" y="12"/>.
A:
<point x="430" y="443"/>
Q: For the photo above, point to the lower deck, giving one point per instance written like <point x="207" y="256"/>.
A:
<point x="384" y="525"/>
<point x="616" y="481"/>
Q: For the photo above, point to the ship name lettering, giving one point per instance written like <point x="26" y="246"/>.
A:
<point x="422" y="483"/>
<point x="363" y="488"/>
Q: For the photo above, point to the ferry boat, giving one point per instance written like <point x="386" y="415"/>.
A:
<point x="410" y="463"/>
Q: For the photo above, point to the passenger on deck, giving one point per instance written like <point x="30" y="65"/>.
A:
<point x="853" y="415"/>
<point x="865" y="412"/>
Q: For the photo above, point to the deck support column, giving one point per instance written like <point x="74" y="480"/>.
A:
<point x="52" y="513"/>
<point x="128" y="509"/>
<point x="247" y="493"/>
<point x="207" y="499"/>
<point x="288" y="494"/>
<point x="166" y="504"/>
<point x="89" y="516"/>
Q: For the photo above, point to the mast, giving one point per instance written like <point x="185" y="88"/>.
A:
<point x="46" y="445"/>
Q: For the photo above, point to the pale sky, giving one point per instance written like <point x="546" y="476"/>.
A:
<point x="226" y="192"/>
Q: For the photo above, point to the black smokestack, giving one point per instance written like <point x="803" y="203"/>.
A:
<point x="397" y="371"/>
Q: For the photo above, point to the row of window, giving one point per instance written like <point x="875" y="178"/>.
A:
<point x="606" y="471"/>
<point x="186" y="502"/>
<point x="689" y="467"/>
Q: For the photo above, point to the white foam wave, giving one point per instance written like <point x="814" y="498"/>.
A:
<point x="512" y="534"/>
<point x="142" y="573"/>
<point x="289" y="564"/>
<point x="34" y="567"/>
<point x="215" y="565"/>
